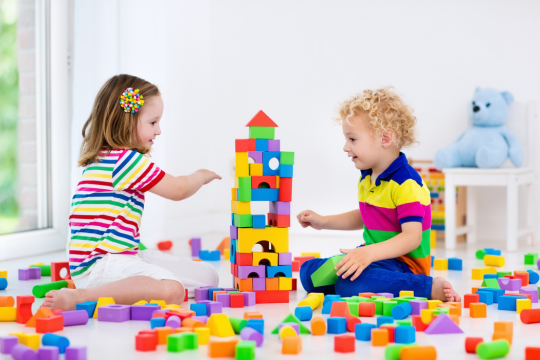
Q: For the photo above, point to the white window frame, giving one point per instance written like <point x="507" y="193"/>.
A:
<point x="54" y="27"/>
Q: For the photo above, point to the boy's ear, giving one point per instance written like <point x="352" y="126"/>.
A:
<point x="387" y="139"/>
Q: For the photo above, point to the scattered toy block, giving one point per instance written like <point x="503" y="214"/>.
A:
<point x="522" y="304"/>
<point x="3" y="283"/>
<point x="164" y="245"/>
<point x="102" y="302"/>
<point x="379" y="337"/>
<point x="292" y="319"/>
<point x="498" y="335"/>
<point x="478" y="310"/>
<point x="455" y="264"/>
<point x="56" y="268"/>
<point x="286" y="330"/>
<point x="318" y="326"/>
<point x="74" y="317"/>
<point x="492" y="350"/>
<point x="523" y="275"/>
<point x="471" y="343"/>
<point x="49" y="324"/>
<point x="363" y="331"/>
<point x="223" y="348"/>
<point x="443" y="324"/>
<point x="531" y="258"/>
<point x="303" y="313"/>
<point x="470" y="298"/>
<point x="533" y="277"/>
<point x="508" y="302"/>
<point x="366" y="309"/>
<point x="405" y="334"/>
<point x="532" y="353"/>
<point x="493" y="260"/>
<point x="530" y="316"/>
<point x="220" y="325"/>
<point x="250" y="334"/>
<point x="42" y="312"/>
<point x="344" y="343"/>
<point x="114" y="313"/>
<point x="61" y="342"/>
<point x="418" y="353"/>
<point x="203" y="334"/>
<point x="402" y="310"/>
<point x="418" y="324"/>
<point x="245" y="350"/>
<point x="440" y="264"/>
<point x="291" y="345"/>
<point x="24" y="308"/>
<point x="145" y="342"/>
<point x="326" y="273"/>
<point x="8" y="314"/>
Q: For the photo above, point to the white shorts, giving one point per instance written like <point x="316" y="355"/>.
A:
<point x="152" y="263"/>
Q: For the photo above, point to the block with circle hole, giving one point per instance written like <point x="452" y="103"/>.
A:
<point x="271" y="161"/>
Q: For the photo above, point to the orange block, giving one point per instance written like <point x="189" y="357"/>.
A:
<point x="272" y="284"/>
<point x="41" y="313"/>
<point x="504" y="326"/>
<point x="478" y="310"/>
<point x="162" y="333"/>
<point x="318" y="326"/>
<point x="498" y="335"/>
<point x="291" y="345"/>
<point x="191" y="323"/>
<point x="524" y="276"/>
<point x="252" y="315"/>
<point x="218" y="292"/>
<point x="223" y="348"/>
<point x="7" y="301"/>
<point x="418" y="353"/>
<point x="379" y="337"/>
<point x="453" y="310"/>
<point x="225" y="244"/>
<point x="367" y="295"/>
<point x="71" y="284"/>
<point x="456" y="304"/>
<point x="183" y="330"/>
<point x="245" y="284"/>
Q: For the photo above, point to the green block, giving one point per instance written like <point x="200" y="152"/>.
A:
<point x="502" y="274"/>
<point x="243" y="220"/>
<point x="237" y="324"/>
<point x="388" y="306"/>
<point x="353" y="308"/>
<point x="287" y="158"/>
<point x="480" y="254"/>
<point x="293" y="319"/>
<point x="404" y="322"/>
<point x="182" y="341"/>
<point x="378" y="297"/>
<point x="261" y="132"/>
<point x="245" y="350"/>
<point x="45" y="269"/>
<point x="244" y="188"/>
<point x="39" y="291"/>
<point x="141" y="246"/>
<point x="530" y="258"/>
<point x="378" y="306"/>
<point x="363" y="299"/>
<point x="490" y="283"/>
<point x="233" y="292"/>
<point x="391" y="352"/>
<point x="326" y="274"/>
<point x="437" y="311"/>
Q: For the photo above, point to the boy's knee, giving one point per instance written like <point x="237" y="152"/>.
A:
<point x="174" y="292"/>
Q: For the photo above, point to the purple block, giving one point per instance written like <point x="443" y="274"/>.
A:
<point x="280" y="207"/>
<point x="293" y="325"/>
<point x="7" y="343"/>
<point x="244" y="271"/>
<point x="49" y="352"/>
<point x="273" y="145"/>
<point x="533" y="291"/>
<point x="173" y="322"/>
<point x="256" y="156"/>
<point x="24" y="274"/>
<point x="229" y="289"/>
<point x="443" y="324"/>
<point x="224" y="299"/>
<point x="203" y="319"/>
<point x="249" y="298"/>
<point x="201" y="294"/>
<point x="195" y="246"/>
<point x="418" y="306"/>
<point x="538" y="264"/>
<point x="285" y="258"/>
<point x="234" y="232"/>
<point x="164" y="311"/>
<point x="213" y="307"/>
<point x="259" y="284"/>
<point x="75" y="317"/>
<point x="23" y="352"/>
<point x="509" y="284"/>
<point x="76" y="353"/>
<point x="386" y="295"/>
<point x="114" y="313"/>
<point x="143" y="312"/>
<point x="253" y="335"/>
<point x="35" y="273"/>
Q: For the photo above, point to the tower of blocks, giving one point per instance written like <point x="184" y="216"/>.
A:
<point x="263" y="173"/>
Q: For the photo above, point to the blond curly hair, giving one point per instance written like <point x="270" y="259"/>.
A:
<point x="386" y="111"/>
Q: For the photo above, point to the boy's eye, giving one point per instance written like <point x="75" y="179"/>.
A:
<point x="352" y="139"/>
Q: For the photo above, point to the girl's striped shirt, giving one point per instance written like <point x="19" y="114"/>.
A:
<point x="107" y="207"/>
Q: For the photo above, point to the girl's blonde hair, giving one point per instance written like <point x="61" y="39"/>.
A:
<point x="109" y="126"/>
<point x="386" y="111"/>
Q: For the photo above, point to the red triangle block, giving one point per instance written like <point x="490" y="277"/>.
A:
<point x="443" y="324"/>
<point x="261" y="120"/>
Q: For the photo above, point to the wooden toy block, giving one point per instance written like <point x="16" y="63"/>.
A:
<point x="533" y="276"/>
<point x="406" y="293"/>
<point x="41" y="290"/>
<point x="220" y="325"/>
<point x="285" y="171"/>
<point x="492" y="350"/>
<point x="7" y="301"/>
<point x="286" y="331"/>
<point x="478" y="310"/>
<point x="344" y="343"/>
<point x="7" y="343"/>
<point x="61" y="342"/>
<point x="492" y="260"/>
<point x="285" y="189"/>
<point x="278" y="237"/>
<point x="261" y="132"/>
<point x="379" y="337"/>
<point x="280" y="207"/>
<point x="244" y="188"/>
<point x="267" y="258"/>
<point x="56" y="268"/>
<point x="366" y="309"/>
<point x="498" y="335"/>
<point x="42" y="312"/>
<point x="418" y="353"/>
<point x="471" y="343"/>
<point x="266" y="182"/>
<point x="252" y="315"/>
<point x="242" y="220"/>
<point x="245" y="145"/>
<point x="282" y="221"/>
<point x="522" y="304"/>
<point x="261" y="119"/>
<point x="532" y="353"/>
<point x="3" y="283"/>
<point x="268" y="297"/>
<point x="262" y="145"/>
<point x="326" y="273"/>
<point x="285" y="283"/>
<point x="291" y="345"/>
<point x="440" y="264"/>
<point x="263" y="194"/>
<point x="523" y="275"/>
<point x="203" y="335"/>
<point x="530" y="258"/>
<point x="287" y="158"/>
<point x="222" y="348"/>
<point x="245" y="350"/>
<point x="255" y="169"/>
<point x="8" y="314"/>
<point x="102" y="302"/>
<point x="455" y="264"/>
<point x="244" y="259"/>
<point x="164" y="245"/>
<point x="49" y="324"/>
<point x="318" y="326"/>
<point x="240" y="207"/>
<point x="242" y="164"/>
<point x="470" y="298"/>
<point x="24" y="308"/>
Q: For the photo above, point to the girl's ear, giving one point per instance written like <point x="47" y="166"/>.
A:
<point x="387" y="139"/>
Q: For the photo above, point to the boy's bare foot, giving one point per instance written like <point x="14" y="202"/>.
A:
<point x="63" y="299"/>
<point x="442" y="290"/>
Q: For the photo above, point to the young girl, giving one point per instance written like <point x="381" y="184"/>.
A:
<point x="394" y="203"/>
<point x="106" y="210"/>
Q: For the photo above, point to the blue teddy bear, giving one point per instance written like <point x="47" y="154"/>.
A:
<point x="487" y="143"/>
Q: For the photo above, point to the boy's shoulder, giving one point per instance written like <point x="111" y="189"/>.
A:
<point x="406" y="172"/>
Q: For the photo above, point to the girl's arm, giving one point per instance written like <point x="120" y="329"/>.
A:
<point x="181" y="187"/>
<point x="351" y="220"/>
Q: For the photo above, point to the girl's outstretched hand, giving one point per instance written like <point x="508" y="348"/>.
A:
<point x="208" y="175"/>
<point x="311" y="218"/>
<point x="354" y="262"/>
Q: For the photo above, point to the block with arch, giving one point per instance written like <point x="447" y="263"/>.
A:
<point x="277" y="237"/>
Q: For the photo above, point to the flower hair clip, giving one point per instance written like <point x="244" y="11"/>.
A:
<point x="131" y="101"/>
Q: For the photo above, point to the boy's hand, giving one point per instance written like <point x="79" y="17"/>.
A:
<point x="208" y="175"/>
<point x="310" y="218"/>
<point x="354" y="262"/>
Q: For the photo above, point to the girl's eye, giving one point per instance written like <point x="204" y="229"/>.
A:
<point x="153" y="122"/>
<point x="352" y="139"/>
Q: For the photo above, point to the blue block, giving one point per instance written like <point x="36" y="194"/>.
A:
<point x="533" y="277"/>
<point x="210" y="255"/>
<point x="157" y="322"/>
<point x="200" y="309"/>
<point x="3" y="283"/>
<point x="259" y="221"/>
<point x="61" y="342"/>
<point x="491" y="276"/>
<point x="264" y="194"/>
<point x="439" y="227"/>
<point x="267" y="156"/>
<point x="336" y="325"/>
<point x="432" y="258"/>
<point x="497" y="293"/>
<point x="327" y="304"/>
<point x="257" y="324"/>
<point x="153" y="304"/>
<point x="509" y="303"/>
<point x="455" y="264"/>
<point x="401" y="311"/>
<point x="485" y="297"/>
<point x="261" y="144"/>
<point x="211" y="293"/>
<point x="381" y="320"/>
<point x="405" y="334"/>
<point x="303" y="313"/>
<point x="89" y="306"/>
<point x="363" y="331"/>
<point x="233" y="251"/>
<point x="272" y="271"/>
<point x="490" y="251"/>
<point x="286" y="171"/>
<point x="434" y="195"/>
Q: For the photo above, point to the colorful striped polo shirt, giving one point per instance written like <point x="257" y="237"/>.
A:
<point x="398" y="196"/>
<point x="107" y="207"/>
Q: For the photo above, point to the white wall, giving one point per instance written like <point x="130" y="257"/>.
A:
<point x="218" y="63"/>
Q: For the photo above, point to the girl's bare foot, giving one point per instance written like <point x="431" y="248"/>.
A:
<point x="63" y="299"/>
<point x="442" y="290"/>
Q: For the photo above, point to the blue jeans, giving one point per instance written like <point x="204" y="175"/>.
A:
<point x="389" y="276"/>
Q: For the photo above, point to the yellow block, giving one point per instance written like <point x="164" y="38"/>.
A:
<point x="406" y="293"/>
<point x="204" y="334"/>
<point x="141" y="302"/>
<point x="171" y="307"/>
<point x="433" y="239"/>
<point x="227" y="254"/>
<point x="312" y="301"/>
<point x="437" y="214"/>
<point x="102" y="302"/>
<point x="478" y="274"/>
<point x="522" y="304"/>
<point x="241" y="207"/>
<point x="287" y="331"/>
<point x="8" y="314"/>
<point x="236" y="182"/>
<point x="426" y="315"/>
<point x="220" y="325"/>
<point x="320" y="295"/>
<point x="247" y="237"/>
<point x="285" y="283"/>
<point x="494" y="260"/>
<point x="440" y="264"/>
<point x="277" y="182"/>
<point x="3" y="274"/>
<point x="234" y="194"/>
<point x="242" y="164"/>
<point x="271" y="257"/>
<point x="30" y="340"/>
<point x="255" y="169"/>
<point x="35" y="264"/>
<point x="432" y="304"/>
<point x="316" y="255"/>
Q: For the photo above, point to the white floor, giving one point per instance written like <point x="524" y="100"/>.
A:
<point x="117" y="341"/>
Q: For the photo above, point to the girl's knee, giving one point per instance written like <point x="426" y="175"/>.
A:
<point x="174" y="292"/>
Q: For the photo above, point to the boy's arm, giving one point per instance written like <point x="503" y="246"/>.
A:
<point x="351" y="220"/>
<point x="181" y="187"/>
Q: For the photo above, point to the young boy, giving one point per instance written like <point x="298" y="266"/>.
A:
<point x="394" y="203"/>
